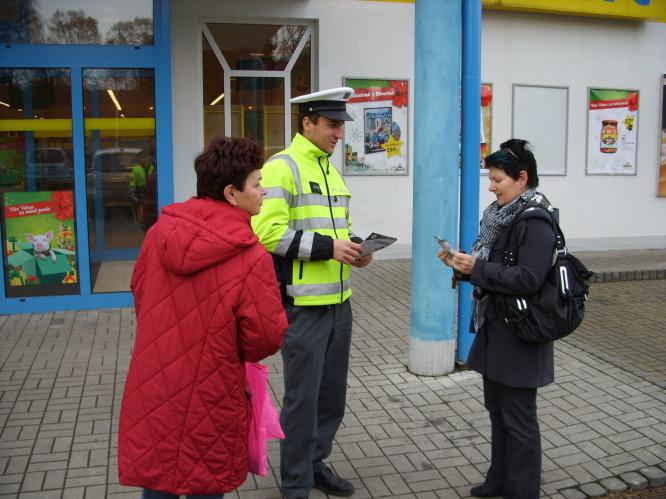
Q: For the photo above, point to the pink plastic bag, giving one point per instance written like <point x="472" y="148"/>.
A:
<point x="265" y="424"/>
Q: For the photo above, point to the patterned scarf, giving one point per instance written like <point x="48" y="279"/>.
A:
<point x="495" y="220"/>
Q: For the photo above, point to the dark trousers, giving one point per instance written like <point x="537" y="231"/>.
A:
<point x="315" y="355"/>
<point x="515" y="463"/>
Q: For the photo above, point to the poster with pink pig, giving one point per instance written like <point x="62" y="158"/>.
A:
<point x="40" y="247"/>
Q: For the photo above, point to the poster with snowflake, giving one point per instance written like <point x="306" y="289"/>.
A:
<point x="375" y="142"/>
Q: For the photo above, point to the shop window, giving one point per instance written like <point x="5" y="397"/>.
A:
<point x="40" y="248"/>
<point x="265" y="47"/>
<point x="121" y="170"/>
<point x="89" y="22"/>
<point x="260" y="67"/>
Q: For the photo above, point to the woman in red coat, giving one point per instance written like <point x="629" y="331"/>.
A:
<point x="206" y="300"/>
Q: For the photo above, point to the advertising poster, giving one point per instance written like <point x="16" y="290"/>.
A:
<point x="661" y="186"/>
<point x="612" y="132"/>
<point x="39" y="244"/>
<point x="375" y="142"/>
<point x="486" y="119"/>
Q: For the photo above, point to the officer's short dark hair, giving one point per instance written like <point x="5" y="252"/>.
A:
<point x="314" y="117"/>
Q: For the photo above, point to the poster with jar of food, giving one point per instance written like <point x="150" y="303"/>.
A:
<point x="612" y="132"/>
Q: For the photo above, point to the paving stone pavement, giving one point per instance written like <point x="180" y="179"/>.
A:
<point x="404" y="436"/>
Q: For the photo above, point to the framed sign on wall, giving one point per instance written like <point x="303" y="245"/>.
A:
<point x="612" y="131"/>
<point x="376" y="141"/>
<point x="540" y="116"/>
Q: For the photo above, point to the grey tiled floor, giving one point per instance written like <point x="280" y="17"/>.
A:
<point x="61" y="380"/>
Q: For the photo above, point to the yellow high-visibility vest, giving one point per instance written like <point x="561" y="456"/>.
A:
<point x="305" y="196"/>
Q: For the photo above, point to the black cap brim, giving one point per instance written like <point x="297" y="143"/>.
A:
<point x="333" y="110"/>
<point x="336" y="115"/>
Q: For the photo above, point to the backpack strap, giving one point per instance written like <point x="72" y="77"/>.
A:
<point x="539" y="202"/>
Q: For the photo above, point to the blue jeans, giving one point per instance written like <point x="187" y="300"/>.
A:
<point x="156" y="494"/>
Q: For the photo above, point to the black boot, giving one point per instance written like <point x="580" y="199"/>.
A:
<point x="480" y="491"/>
<point x="332" y="484"/>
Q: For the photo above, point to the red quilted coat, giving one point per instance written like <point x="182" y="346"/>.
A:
<point x="206" y="300"/>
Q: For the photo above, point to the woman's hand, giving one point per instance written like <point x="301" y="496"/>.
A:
<point x="461" y="262"/>
<point x="444" y="256"/>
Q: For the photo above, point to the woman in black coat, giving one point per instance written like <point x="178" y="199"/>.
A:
<point x="512" y="370"/>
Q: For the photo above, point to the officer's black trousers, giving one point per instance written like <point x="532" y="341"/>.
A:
<point x="315" y="357"/>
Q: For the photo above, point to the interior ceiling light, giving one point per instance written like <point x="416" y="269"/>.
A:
<point x="113" y="98"/>
<point x="257" y="54"/>
<point x="4" y="104"/>
<point x="217" y="99"/>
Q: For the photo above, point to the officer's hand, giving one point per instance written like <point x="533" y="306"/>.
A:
<point x="362" y="261"/>
<point x="345" y="251"/>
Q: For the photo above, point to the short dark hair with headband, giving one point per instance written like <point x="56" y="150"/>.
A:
<point x="514" y="156"/>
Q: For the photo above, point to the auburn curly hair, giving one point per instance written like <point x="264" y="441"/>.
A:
<point x="226" y="160"/>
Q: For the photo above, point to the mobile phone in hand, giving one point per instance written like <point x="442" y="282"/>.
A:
<point x="444" y="244"/>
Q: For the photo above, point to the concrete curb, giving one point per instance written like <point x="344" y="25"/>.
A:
<point x="627" y="275"/>
<point x="644" y="478"/>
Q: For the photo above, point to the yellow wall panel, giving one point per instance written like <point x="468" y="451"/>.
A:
<point x="641" y="10"/>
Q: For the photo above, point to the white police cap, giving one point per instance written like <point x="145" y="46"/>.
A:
<point x="330" y="103"/>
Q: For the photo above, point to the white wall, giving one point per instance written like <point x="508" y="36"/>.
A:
<point x="596" y="212"/>
<point x="376" y="39"/>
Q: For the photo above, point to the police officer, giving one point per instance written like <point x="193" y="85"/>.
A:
<point x="305" y="224"/>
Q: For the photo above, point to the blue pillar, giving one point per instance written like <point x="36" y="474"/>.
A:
<point x="436" y="151"/>
<point x="471" y="143"/>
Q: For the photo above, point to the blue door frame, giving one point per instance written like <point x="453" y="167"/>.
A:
<point x="77" y="57"/>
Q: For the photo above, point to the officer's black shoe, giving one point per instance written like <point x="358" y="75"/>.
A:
<point x="332" y="484"/>
<point x="480" y="491"/>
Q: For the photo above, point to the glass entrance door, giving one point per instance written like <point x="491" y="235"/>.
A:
<point x="80" y="149"/>
<point x="121" y="171"/>
<point x="40" y="248"/>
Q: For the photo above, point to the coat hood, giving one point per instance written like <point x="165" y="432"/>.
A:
<point x="199" y="233"/>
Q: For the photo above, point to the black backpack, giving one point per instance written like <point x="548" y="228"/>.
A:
<point x="557" y="309"/>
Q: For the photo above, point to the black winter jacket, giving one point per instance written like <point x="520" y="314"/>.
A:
<point x="496" y="353"/>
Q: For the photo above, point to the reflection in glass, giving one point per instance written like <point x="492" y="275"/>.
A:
<point x="301" y="82"/>
<point x="39" y="245"/>
<point x="257" y="46"/>
<point x="89" y="22"/>
<point x="257" y="106"/>
<point x="213" y="93"/>
<point x="257" y="103"/>
<point x="121" y="170"/>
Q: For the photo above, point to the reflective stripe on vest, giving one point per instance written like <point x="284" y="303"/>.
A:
<point x="306" y="199"/>
<point x="318" y="224"/>
<point x="317" y="289"/>
<point x="293" y="167"/>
